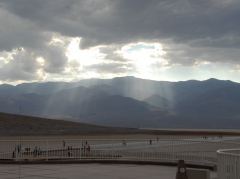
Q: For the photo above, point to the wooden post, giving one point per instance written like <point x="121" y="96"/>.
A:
<point x="182" y="170"/>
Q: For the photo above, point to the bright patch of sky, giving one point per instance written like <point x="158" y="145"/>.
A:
<point x="145" y="56"/>
<point x="84" y="57"/>
<point x="201" y="71"/>
<point x="147" y="59"/>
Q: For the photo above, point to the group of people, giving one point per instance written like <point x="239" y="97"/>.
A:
<point x="37" y="151"/>
<point x="17" y="150"/>
<point x="85" y="147"/>
<point x="27" y="151"/>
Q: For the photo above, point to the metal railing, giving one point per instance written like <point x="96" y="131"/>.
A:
<point x="200" y="151"/>
<point x="228" y="164"/>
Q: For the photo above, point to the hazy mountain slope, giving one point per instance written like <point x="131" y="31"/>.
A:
<point x="130" y="101"/>
<point x="158" y="101"/>
<point x="25" y="125"/>
<point x="80" y="104"/>
<point x="223" y="102"/>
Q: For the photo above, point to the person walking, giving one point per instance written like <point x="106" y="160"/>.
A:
<point x="150" y="142"/>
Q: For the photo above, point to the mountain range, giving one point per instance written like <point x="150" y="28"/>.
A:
<point x="129" y="102"/>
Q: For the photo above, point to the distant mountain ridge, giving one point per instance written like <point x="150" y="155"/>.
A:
<point x="130" y="102"/>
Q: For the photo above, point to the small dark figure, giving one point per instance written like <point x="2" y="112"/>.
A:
<point x="150" y="142"/>
<point x="88" y="148"/>
<point x="69" y="148"/>
<point x="27" y="149"/>
<point x="35" y="151"/>
<point x="64" y="144"/>
<point x="19" y="149"/>
<point x="13" y="154"/>
<point x="39" y="151"/>
<point x="182" y="170"/>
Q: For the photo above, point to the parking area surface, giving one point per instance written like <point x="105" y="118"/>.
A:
<point x="87" y="171"/>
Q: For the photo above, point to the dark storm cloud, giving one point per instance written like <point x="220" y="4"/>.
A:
<point x="16" y="32"/>
<point x="188" y="55"/>
<point x="55" y="59"/>
<point x="190" y="30"/>
<point x="119" y="21"/>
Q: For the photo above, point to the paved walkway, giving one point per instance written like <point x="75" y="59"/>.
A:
<point x="87" y="171"/>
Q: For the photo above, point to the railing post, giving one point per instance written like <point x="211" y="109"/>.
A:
<point x="182" y="170"/>
<point x="228" y="164"/>
<point x="47" y="150"/>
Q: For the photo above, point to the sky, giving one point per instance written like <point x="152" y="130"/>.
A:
<point x="70" y="40"/>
